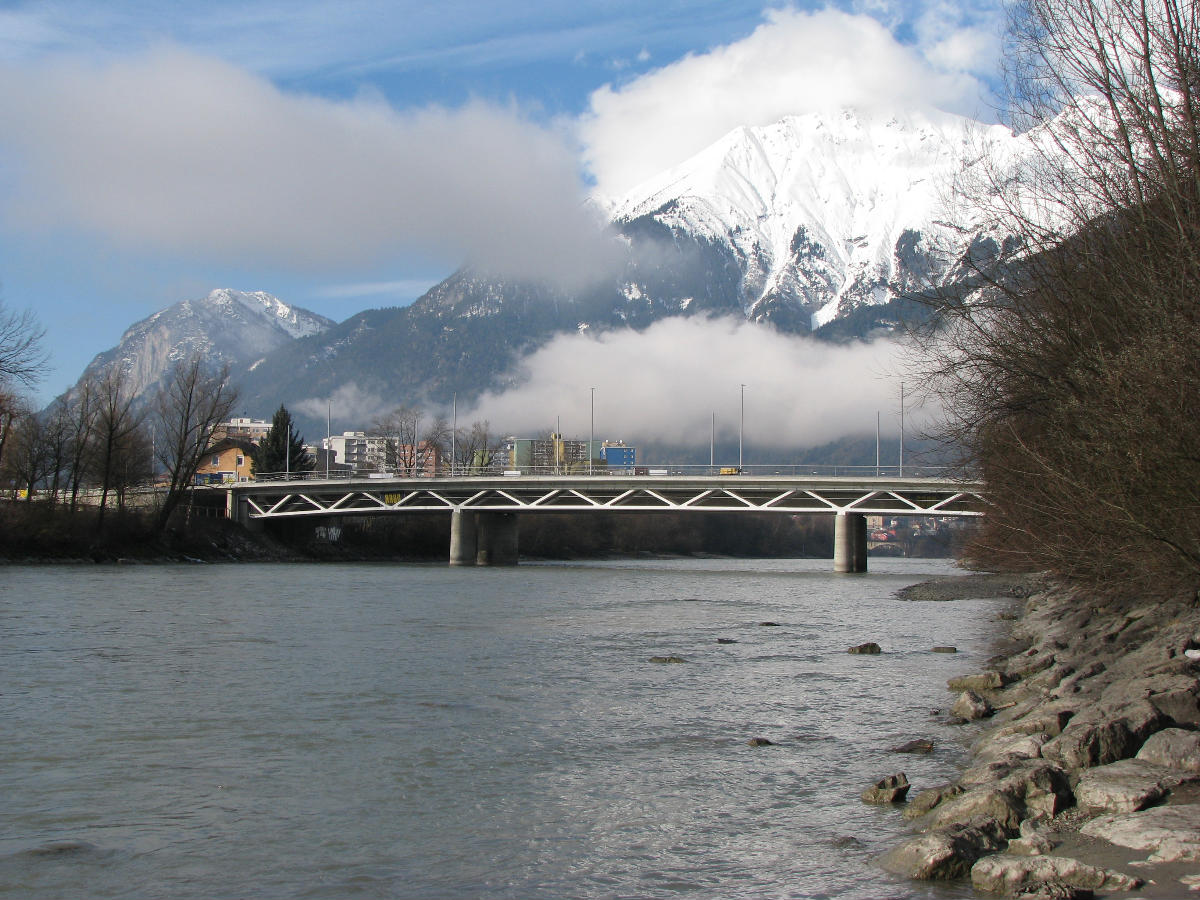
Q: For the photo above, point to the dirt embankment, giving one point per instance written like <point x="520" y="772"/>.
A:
<point x="1086" y="778"/>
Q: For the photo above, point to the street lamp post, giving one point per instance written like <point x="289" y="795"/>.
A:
<point x="741" y="427"/>
<point x="712" y="446"/>
<point x="453" y="430"/>
<point x="902" y="429"/>
<point x="592" y="432"/>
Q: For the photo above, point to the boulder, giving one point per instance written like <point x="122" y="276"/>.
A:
<point x="1125" y="786"/>
<point x="1105" y="736"/>
<point x="929" y="798"/>
<point x="1174" y="748"/>
<point x="892" y="789"/>
<point x="1010" y="747"/>
<point x="983" y="681"/>
<point x="667" y="659"/>
<point x="760" y="742"/>
<point x="945" y="649"/>
<point x="944" y="854"/>
<point x="981" y="803"/>
<point x="1008" y="875"/>
<point x="1034" y="845"/>
<point x="869" y="648"/>
<point x="920" y="745"/>
<point x="1176" y="695"/>
<point x="971" y="706"/>
<point x="1053" y="890"/>
<point x="1036" y="787"/>
<point x="1171" y="832"/>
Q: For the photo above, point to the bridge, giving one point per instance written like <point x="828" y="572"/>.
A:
<point x="485" y="509"/>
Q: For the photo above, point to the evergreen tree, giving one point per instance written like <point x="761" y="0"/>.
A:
<point x="282" y="449"/>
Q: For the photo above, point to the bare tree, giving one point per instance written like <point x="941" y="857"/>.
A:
<point x="117" y="420"/>
<point x="27" y="462"/>
<point x="83" y="410"/>
<point x="1069" y="377"/>
<point x="21" y="357"/>
<point x="189" y="406"/>
<point x="409" y="445"/>
<point x="474" y="446"/>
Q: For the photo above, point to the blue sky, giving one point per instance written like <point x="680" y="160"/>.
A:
<point x="350" y="155"/>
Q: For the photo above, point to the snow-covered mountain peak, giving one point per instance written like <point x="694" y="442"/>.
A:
<point x="817" y="204"/>
<point x="269" y="308"/>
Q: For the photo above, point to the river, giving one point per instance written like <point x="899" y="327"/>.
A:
<point x="407" y="731"/>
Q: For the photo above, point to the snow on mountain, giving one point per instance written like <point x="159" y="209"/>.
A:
<point x="226" y="326"/>
<point x="826" y="212"/>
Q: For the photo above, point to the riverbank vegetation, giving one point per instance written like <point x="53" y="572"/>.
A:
<point x="1071" y="380"/>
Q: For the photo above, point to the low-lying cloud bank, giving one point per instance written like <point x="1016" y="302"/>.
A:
<point x="178" y="152"/>
<point x="665" y="383"/>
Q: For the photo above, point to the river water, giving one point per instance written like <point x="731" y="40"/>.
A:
<point x="400" y="731"/>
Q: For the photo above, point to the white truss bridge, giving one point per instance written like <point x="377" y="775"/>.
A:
<point x="607" y="493"/>
<point x="485" y="510"/>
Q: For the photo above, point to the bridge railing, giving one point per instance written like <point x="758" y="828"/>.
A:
<point x="789" y="470"/>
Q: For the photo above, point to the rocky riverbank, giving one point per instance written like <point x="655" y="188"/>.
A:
<point x="1085" y="777"/>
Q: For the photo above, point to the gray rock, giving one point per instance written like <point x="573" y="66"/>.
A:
<point x="1176" y="695"/>
<point x="1105" y="735"/>
<point x="892" y="789"/>
<point x="1053" y="890"/>
<point x="1010" y="747"/>
<point x="1008" y="875"/>
<point x="970" y="706"/>
<point x="944" y="854"/>
<point x="1174" y="748"/>
<point x="760" y="742"/>
<point x="982" y="803"/>
<point x="1125" y="786"/>
<point x="920" y="745"/>
<point x="930" y="798"/>
<point x="983" y="681"/>
<point x="1033" y="845"/>
<point x="867" y="648"/>
<point x="1171" y="832"/>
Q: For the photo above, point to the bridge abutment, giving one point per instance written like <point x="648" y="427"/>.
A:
<point x="850" y="542"/>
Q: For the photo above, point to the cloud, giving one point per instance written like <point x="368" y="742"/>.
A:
<point x="796" y="62"/>
<point x="663" y="385"/>
<point x="179" y="152"/>
<point x="350" y="406"/>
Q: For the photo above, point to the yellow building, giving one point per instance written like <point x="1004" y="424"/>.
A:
<point x="226" y="460"/>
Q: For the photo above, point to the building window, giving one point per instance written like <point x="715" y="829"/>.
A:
<point x="216" y="460"/>
<point x="241" y="460"/>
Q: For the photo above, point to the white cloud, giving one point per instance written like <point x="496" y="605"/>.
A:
<point x="795" y="62"/>
<point x="349" y="405"/>
<point x="178" y="152"/>
<point x="664" y="384"/>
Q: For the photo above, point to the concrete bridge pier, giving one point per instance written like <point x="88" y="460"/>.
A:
<point x="496" y="539"/>
<point x="483" y="539"/>
<point x="850" y="542"/>
<point x="463" y="538"/>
